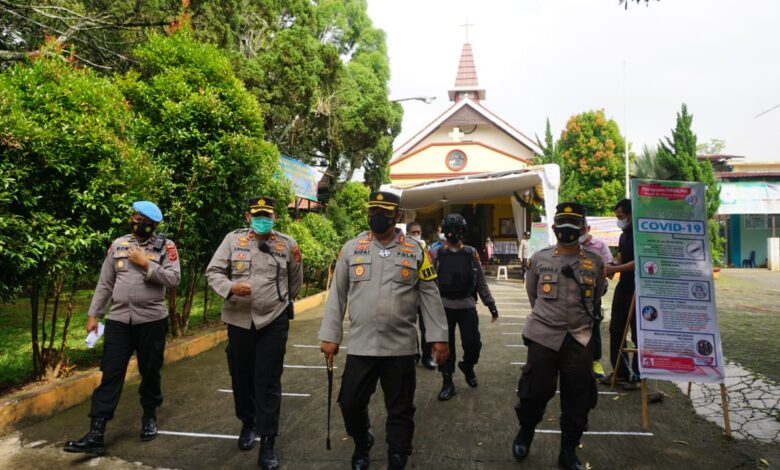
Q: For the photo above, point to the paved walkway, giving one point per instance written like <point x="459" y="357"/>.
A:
<point x="472" y="431"/>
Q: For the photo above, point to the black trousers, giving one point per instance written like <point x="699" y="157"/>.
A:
<point x="621" y="302"/>
<point x="255" y="361"/>
<point x="597" y="340"/>
<point x="539" y="381"/>
<point x="147" y="341"/>
<point x="397" y="376"/>
<point x="467" y="322"/>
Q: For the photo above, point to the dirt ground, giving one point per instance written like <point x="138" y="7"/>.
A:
<point x="474" y="430"/>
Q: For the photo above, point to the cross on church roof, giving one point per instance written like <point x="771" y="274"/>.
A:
<point x="466" y="25"/>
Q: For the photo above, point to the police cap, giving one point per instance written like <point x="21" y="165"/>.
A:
<point x="571" y="212"/>
<point x="384" y="200"/>
<point x="261" y="204"/>
<point x="148" y="210"/>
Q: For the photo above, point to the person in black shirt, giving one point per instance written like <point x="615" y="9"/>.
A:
<point x="621" y="301"/>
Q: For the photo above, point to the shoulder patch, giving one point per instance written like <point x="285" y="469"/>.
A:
<point x="297" y="254"/>
<point x="426" y="272"/>
<point x="173" y="255"/>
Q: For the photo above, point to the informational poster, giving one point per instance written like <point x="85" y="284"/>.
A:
<point x="303" y="177"/>
<point x="539" y="238"/>
<point x="679" y="337"/>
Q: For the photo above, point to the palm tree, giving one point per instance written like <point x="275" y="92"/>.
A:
<point x="648" y="167"/>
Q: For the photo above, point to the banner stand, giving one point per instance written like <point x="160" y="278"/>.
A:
<point x="624" y="349"/>
<point x="645" y="408"/>
<point x="724" y="403"/>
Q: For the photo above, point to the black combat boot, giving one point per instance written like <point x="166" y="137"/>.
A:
<point x="468" y="371"/>
<point x="447" y="387"/>
<point x="92" y="442"/>
<point x="360" y="457"/>
<point x="396" y="461"/>
<point x="246" y="439"/>
<point x="567" y="459"/>
<point x="148" y="428"/>
<point x="267" y="458"/>
<point x="522" y="443"/>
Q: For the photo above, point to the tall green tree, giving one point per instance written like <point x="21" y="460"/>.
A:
<point x="592" y="162"/>
<point x="205" y="131"/>
<point x="69" y="171"/>
<point x="647" y="166"/>
<point x="677" y="154"/>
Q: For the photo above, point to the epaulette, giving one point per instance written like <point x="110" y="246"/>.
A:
<point x="243" y="229"/>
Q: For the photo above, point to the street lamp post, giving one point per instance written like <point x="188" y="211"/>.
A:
<point x="424" y="99"/>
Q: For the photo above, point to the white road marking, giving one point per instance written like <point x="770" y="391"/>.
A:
<point x="516" y="345"/>
<point x="600" y="393"/>
<point x="291" y="366"/>
<point x="199" y="434"/>
<point x="34" y="444"/>
<point x="227" y="390"/>
<point x="601" y="433"/>
<point x="517" y="364"/>
<point x="505" y="333"/>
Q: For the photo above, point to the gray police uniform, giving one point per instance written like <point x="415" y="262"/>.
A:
<point x="137" y="320"/>
<point x="558" y="336"/>
<point x="257" y="324"/>
<point x="240" y="259"/>
<point x="380" y="287"/>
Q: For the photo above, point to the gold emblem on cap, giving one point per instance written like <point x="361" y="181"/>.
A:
<point x="380" y="197"/>
<point x="567" y="209"/>
<point x="261" y="202"/>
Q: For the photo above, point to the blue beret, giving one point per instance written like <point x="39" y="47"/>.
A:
<point x="148" y="209"/>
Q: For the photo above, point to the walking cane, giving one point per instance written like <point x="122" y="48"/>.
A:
<point x="329" y="365"/>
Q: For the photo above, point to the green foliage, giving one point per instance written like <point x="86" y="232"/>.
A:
<point x="648" y="167"/>
<point x="68" y="172"/>
<point x="678" y="156"/>
<point x="714" y="146"/>
<point x="348" y="210"/>
<point x="318" y="241"/>
<point x="592" y="163"/>
<point x="206" y="132"/>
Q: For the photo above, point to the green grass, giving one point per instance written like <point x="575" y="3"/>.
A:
<point x="749" y="318"/>
<point x="16" y="341"/>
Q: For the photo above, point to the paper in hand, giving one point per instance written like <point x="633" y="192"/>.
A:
<point x="94" y="336"/>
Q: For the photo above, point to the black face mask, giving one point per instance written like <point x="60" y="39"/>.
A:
<point x="453" y="237"/>
<point x="379" y="223"/>
<point x="567" y="235"/>
<point x="142" y="229"/>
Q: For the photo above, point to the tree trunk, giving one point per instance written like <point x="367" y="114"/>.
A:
<point x="35" y="307"/>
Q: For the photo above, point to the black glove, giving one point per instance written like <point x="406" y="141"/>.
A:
<point x="493" y="310"/>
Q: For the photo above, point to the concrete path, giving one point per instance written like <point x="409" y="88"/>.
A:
<point x="472" y="431"/>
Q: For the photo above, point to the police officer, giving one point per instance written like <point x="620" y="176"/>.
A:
<point x="382" y="275"/>
<point x="460" y="280"/>
<point x="563" y="283"/>
<point x="135" y="274"/>
<point x="258" y="272"/>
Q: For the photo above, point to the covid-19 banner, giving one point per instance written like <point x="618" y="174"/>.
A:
<point x="679" y="337"/>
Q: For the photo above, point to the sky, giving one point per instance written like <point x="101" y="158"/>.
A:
<point x="540" y="59"/>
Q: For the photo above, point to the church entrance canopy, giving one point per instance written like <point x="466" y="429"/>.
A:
<point x="466" y="189"/>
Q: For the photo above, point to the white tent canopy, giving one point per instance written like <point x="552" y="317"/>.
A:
<point x="465" y="189"/>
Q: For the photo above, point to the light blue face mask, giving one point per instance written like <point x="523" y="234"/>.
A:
<point x="262" y="225"/>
